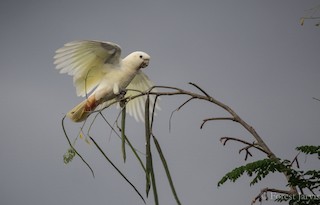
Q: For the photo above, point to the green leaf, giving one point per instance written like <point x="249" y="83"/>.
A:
<point x="309" y="150"/>
<point x="69" y="155"/>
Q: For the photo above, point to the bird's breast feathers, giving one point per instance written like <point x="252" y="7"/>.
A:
<point x="119" y="78"/>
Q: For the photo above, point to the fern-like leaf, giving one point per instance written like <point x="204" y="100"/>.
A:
<point x="309" y="149"/>
<point x="260" y="169"/>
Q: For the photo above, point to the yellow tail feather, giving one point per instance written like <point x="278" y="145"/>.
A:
<point x="78" y="113"/>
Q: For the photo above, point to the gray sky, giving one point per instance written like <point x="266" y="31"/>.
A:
<point x="251" y="55"/>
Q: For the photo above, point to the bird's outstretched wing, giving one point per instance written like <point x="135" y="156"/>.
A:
<point x="136" y="106"/>
<point x="87" y="62"/>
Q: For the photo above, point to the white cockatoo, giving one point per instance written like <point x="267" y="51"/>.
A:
<point x="101" y="75"/>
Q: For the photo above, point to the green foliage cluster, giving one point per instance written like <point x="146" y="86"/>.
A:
<point x="309" y="150"/>
<point x="260" y="168"/>
<point x="306" y="181"/>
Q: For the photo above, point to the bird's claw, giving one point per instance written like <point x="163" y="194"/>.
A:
<point x="120" y="97"/>
<point x="121" y="94"/>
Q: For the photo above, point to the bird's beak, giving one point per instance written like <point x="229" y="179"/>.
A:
<point x="145" y="63"/>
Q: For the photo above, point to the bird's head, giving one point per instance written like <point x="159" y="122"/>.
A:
<point x="138" y="59"/>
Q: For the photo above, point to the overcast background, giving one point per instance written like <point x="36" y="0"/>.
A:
<point x="252" y="55"/>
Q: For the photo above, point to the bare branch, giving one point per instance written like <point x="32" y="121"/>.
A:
<point x="224" y="140"/>
<point x="295" y="160"/>
<point x="170" y="91"/>
<point x="216" y="118"/>
<point x="195" y="85"/>
<point x="176" y="110"/>
<point x="246" y="149"/>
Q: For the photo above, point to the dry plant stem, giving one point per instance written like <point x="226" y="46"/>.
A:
<point x="224" y="140"/>
<point x="176" y="110"/>
<point x="215" y="118"/>
<point x="295" y="160"/>
<point x="234" y="115"/>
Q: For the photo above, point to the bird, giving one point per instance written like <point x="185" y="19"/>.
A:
<point x="103" y="77"/>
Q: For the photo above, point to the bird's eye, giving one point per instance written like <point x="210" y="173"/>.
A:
<point x="140" y="56"/>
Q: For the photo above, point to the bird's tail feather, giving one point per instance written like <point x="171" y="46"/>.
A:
<point x="80" y="112"/>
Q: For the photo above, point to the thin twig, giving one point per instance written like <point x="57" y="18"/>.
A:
<point x="116" y="168"/>
<point x="128" y="142"/>
<point x="204" y="92"/>
<point x="176" y="110"/>
<point x="295" y="159"/>
<point x="224" y="140"/>
<point x="216" y="118"/>
<point x="248" y="153"/>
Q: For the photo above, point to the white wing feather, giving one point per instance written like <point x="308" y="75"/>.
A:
<point x="136" y="107"/>
<point x="87" y="62"/>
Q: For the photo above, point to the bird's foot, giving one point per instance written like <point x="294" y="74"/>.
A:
<point x="120" y="97"/>
<point x="121" y="94"/>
